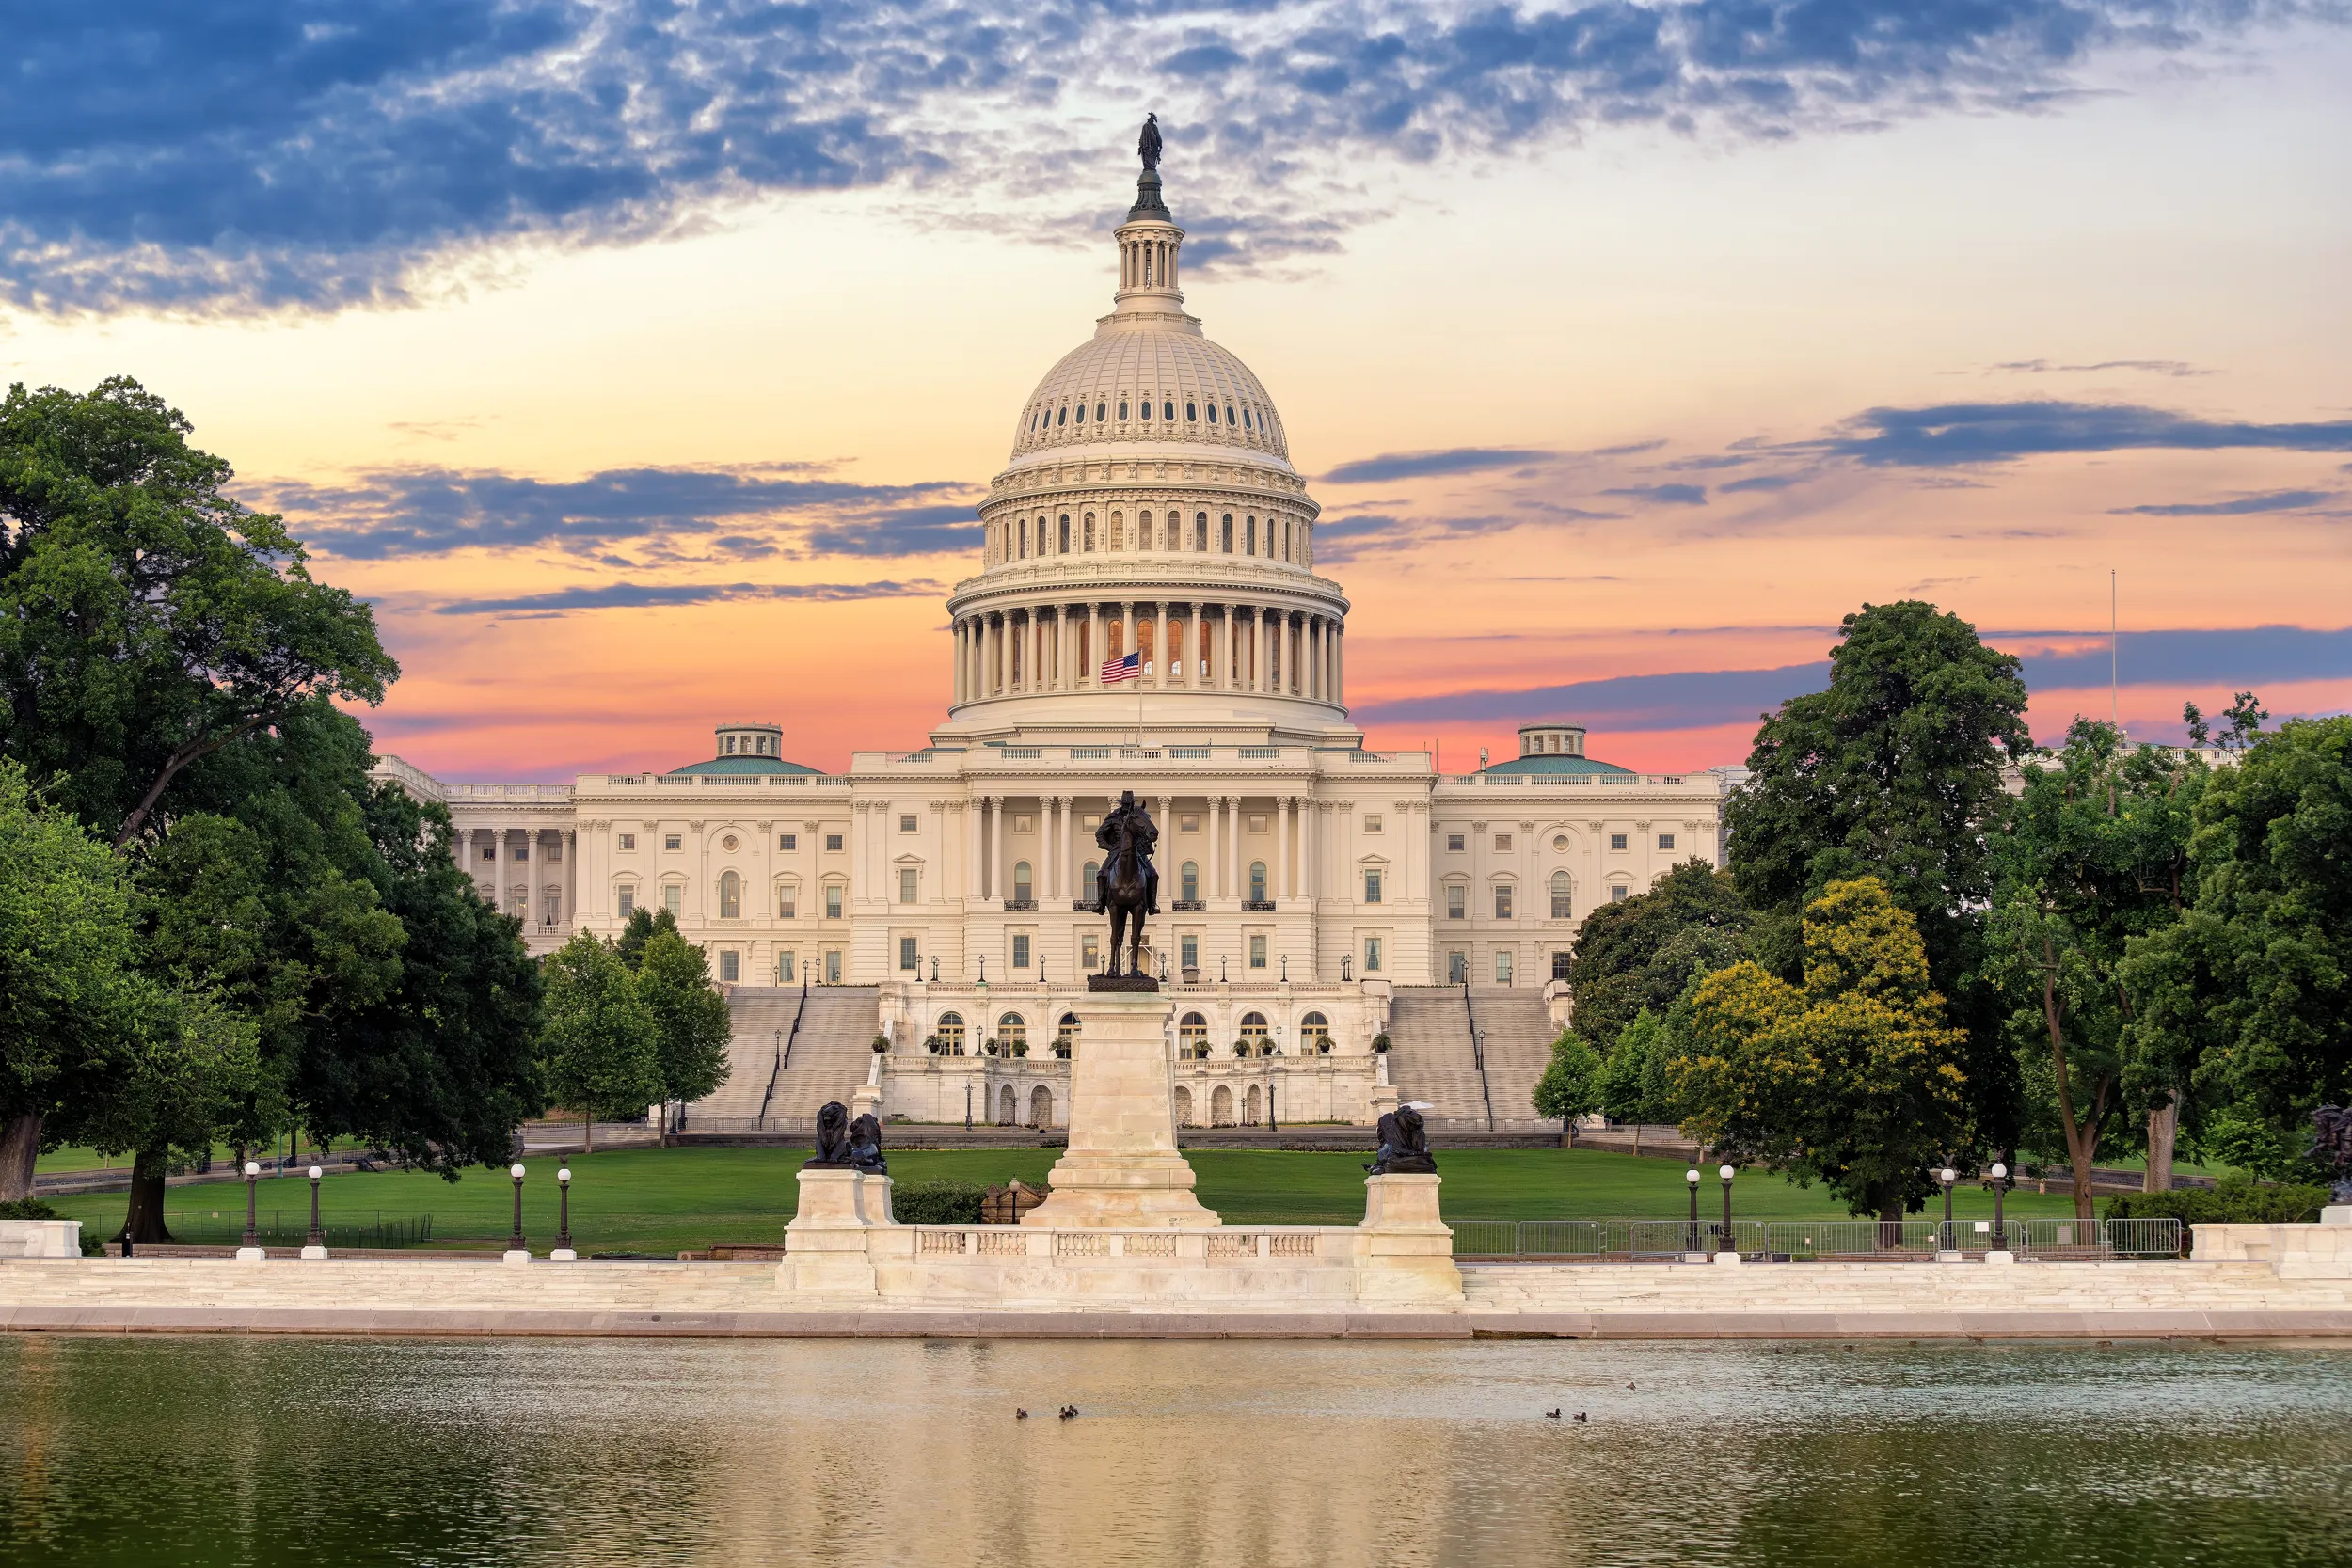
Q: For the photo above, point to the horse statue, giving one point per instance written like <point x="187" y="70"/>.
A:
<point x="1128" y="886"/>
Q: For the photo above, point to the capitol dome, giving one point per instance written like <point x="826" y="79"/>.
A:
<point x="1149" y="512"/>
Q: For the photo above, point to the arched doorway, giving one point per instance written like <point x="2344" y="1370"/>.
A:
<point x="1041" y="1106"/>
<point x="1252" y="1107"/>
<point x="1221" y="1107"/>
<point x="1004" y="1106"/>
<point x="1184" y="1106"/>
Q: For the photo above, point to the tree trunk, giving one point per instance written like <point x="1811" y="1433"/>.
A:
<point x="2163" y="1124"/>
<point x="144" y="1224"/>
<point x="2081" y="1139"/>
<point x="1889" y="1204"/>
<point x="20" y="1146"/>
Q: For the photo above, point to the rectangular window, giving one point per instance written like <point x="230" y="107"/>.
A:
<point x="1560" y="966"/>
<point x="730" y="966"/>
<point x="1619" y="894"/>
<point x="1372" y="887"/>
<point x="1455" y="843"/>
<point x="489" y="852"/>
<point x="1372" y="955"/>
<point x="1457" y="969"/>
<point x="833" y="967"/>
<point x="1188" y="824"/>
<point x="832" y="843"/>
<point x="522" y="851"/>
<point x="905" y="822"/>
<point x="784" y="976"/>
<point x="1019" y="824"/>
<point x="1257" y="824"/>
<point x="908" y="957"/>
<point x="1371" y="823"/>
<point x="787" y="841"/>
<point x="1257" y="952"/>
<point x="833" y="901"/>
<point x="1021" y="952"/>
<point x="555" y="852"/>
<point x="1502" y="968"/>
<point x="672" y="841"/>
<point x="1502" y="841"/>
<point x="1503" y="900"/>
<point x="788" y="900"/>
<point x="1090" y="951"/>
<point x="906" y="884"/>
<point x="629" y="841"/>
<point x="628" y="901"/>
<point x="1456" y="902"/>
<point x="1190" y="949"/>
<point x="673" y="900"/>
<point x="1616" y="840"/>
<point x="1666" y="840"/>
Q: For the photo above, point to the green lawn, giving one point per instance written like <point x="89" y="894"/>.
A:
<point x="670" y="1199"/>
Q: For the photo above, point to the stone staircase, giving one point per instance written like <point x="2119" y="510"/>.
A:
<point x="1515" y="1033"/>
<point x="830" y="1055"/>
<point x="1431" y="1059"/>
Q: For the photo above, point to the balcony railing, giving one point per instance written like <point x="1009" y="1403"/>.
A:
<point x="1190" y="906"/>
<point x="1256" y="906"/>
<point x="1087" y="905"/>
<point x="1016" y="906"/>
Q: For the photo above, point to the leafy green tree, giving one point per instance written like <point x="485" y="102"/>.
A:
<point x="1894" y="774"/>
<point x="66" y="956"/>
<point x="601" y="1048"/>
<point x="2249" y="995"/>
<point x="642" y="924"/>
<point x="1642" y="952"/>
<point x="1853" y="1079"/>
<point x="2096" y="854"/>
<point x="1570" y="1085"/>
<point x="674" y="978"/>
<point x="1637" y="1078"/>
<point x="196" y="1074"/>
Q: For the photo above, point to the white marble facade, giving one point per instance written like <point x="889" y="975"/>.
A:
<point x="1149" y="505"/>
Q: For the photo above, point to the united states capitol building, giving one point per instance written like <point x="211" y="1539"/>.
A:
<point x="1340" y="927"/>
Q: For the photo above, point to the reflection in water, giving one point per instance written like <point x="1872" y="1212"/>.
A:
<point x="276" y="1451"/>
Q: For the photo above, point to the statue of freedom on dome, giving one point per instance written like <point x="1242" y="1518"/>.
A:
<point x="1148" y="145"/>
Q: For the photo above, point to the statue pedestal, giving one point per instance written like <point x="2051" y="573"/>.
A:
<point x="824" y="1245"/>
<point x="2336" y="1214"/>
<point x="1404" y="1251"/>
<point x="1123" y="1170"/>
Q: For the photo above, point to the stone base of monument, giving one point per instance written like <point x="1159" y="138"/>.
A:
<point x="2322" y="1251"/>
<point x="1401" y="1255"/>
<point x="2336" y="1214"/>
<point x="314" y="1253"/>
<point x="1122" y="1167"/>
<point x="41" y="1238"/>
<point x="251" y="1254"/>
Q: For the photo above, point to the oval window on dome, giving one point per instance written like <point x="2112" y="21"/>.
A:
<point x="1167" y="410"/>
<point x="1082" y="413"/>
<point x="1212" y="412"/>
<point x="1229" y="413"/>
<point x="1245" y="423"/>
<point x="1190" y="412"/>
<point x="1146" y="410"/>
<point x="1123" y="408"/>
<point x="1063" y="418"/>
<point x="1097" y="413"/>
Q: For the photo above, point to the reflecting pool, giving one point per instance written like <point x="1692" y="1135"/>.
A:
<point x="275" y="1451"/>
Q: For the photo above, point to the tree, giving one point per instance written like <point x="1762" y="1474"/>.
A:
<point x="674" y="978"/>
<point x="66" y="956"/>
<point x="1641" y="952"/>
<point x="601" y="1048"/>
<point x="1853" y="1079"/>
<point x="642" y="924"/>
<point x="1637" y="1078"/>
<point x="2096" y="854"/>
<point x="2249" y="995"/>
<point x="196" y="1073"/>
<point x="1894" y="774"/>
<point x="1570" y="1085"/>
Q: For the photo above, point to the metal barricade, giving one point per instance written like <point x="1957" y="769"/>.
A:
<point x="2101" y="1239"/>
<point x="1485" y="1238"/>
<point x="1563" y="1238"/>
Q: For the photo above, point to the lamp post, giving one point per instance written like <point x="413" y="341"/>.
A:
<point x="251" y="1251"/>
<point x="1692" y="1253"/>
<point x="316" y="1245"/>
<point x="564" y="1253"/>
<point x="1728" y="1251"/>
<point x="967" y="1104"/>
<point x="516" y="1251"/>
<point x="1946" y="1240"/>
<point x="1999" y="1252"/>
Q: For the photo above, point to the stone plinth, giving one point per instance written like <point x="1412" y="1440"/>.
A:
<point x="2293" y="1251"/>
<point x="824" y="1245"/>
<point x="1404" y="1251"/>
<point x="41" y="1238"/>
<point x="2336" y="1214"/>
<point x="1122" y="1170"/>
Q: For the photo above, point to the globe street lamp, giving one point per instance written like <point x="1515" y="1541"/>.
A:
<point x="516" y="1251"/>
<point x="1692" y="1253"/>
<point x="316" y="1245"/>
<point x="1999" y="1252"/>
<point x="564" y="1253"/>
<point x="251" y="1251"/>
<point x="1728" y="1249"/>
<point x="1948" y="1241"/>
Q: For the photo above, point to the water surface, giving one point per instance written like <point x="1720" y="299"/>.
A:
<point x="269" y="1450"/>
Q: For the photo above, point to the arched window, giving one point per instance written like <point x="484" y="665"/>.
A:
<point x="1227" y="545"/>
<point x="1201" y="531"/>
<point x="1021" y="883"/>
<point x="1011" y="1030"/>
<point x="1190" y="412"/>
<point x="1066" y="1035"/>
<point x="1212" y="412"/>
<point x="1188" y="880"/>
<point x="1143" y="530"/>
<point x="1062" y="418"/>
<point x="1021" y="528"/>
<point x="730" y="896"/>
<point x="1122" y="409"/>
<point x="1256" y="881"/>
<point x="1229" y="413"/>
<point x="1086" y="888"/>
<point x="1090" y="531"/>
<point x="1192" y="1035"/>
<point x="1286" y="538"/>
<point x="1167" y="410"/>
<point x="1097" y="413"/>
<point x="1065" y="533"/>
<point x="1119" y="530"/>
<point x="950" y="1033"/>
<point x="1246" y="423"/>
<point x="1314" y="1036"/>
<point x="1249" y="537"/>
<point x="1147" y="408"/>
<point x="1082" y="413"/>
<point x="1254" y="1035"/>
<point x="1042" y="1105"/>
<point x="1563" y="894"/>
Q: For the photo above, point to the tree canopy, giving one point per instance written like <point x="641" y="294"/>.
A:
<point x="1641" y="952"/>
<point x="601" y="1048"/>
<point x="674" y="978"/>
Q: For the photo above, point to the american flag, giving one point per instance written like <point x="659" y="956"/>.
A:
<point x="1127" y="669"/>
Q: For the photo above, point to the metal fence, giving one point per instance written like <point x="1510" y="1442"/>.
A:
<point x="281" y="1228"/>
<point x="1807" y="1241"/>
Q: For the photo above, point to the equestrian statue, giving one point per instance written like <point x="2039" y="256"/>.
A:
<point x="1128" y="886"/>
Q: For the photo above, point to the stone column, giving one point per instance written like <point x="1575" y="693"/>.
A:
<point x="1281" y="888"/>
<point x="1339" y="663"/>
<point x="1165" y="676"/>
<point x="1209" y="883"/>
<point x="992" y="808"/>
<point x="1127" y="627"/>
<point x="1233" y="846"/>
<point x="1092" y="674"/>
<point x="1310" y="850"/>
<point x="1224" y="679"/>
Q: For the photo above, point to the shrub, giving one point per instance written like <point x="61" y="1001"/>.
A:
<point x="26" y="1209"/>
<point x="2236" y="1202"/>
<point x="937" y="1202"/>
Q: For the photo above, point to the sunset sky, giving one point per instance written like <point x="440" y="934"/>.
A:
<point x="642" y="362"/>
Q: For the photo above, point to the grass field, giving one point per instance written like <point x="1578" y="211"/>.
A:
<point x="670" y="1199"/>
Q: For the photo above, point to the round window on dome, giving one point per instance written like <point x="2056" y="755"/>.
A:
<point x="1190" y="412"/>
<point x="1167" y="410"/>
<point x="1123" y="408"/>
<point x="1097" y="413"/>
